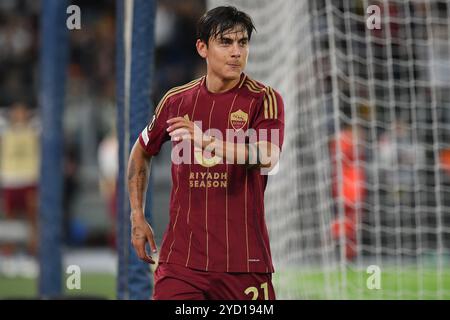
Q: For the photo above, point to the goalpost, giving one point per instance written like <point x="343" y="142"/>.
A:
<point x="360" y="208"/>
<point x="135" y="53"/>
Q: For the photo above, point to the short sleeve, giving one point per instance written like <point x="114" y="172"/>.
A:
<point x="155" y="133"/>
<point x="269" y="119"/>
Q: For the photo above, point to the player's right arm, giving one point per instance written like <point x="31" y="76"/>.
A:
<point x="138" y="173"/>
<point x="147" y="145"/>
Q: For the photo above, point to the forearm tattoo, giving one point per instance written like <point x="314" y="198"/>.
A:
<point x="137" y="181"/>
<point x="137" y="233"/>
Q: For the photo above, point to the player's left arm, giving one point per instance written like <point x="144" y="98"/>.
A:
<point x="264" y="146"/>
<point x="267" y="154"/>
<point x="259" y="154"/>
<point x="269" y="127"/>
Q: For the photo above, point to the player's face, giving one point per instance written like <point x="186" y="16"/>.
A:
<point x="226" y="55"/>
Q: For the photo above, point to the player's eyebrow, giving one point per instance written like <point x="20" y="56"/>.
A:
<point x="225" y="38"/>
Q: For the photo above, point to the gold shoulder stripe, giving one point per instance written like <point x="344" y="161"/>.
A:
<point x="271" y="103"/>
<point x="257" y="85"/>
<point x="249" y="84"/>
<point x="253" y="88"/>
<point x="174" y="91"/>
<point x="250" y="88"/>
<point x="273" y="100"/>
<point x="275" y="103"/>
<point x="242" y="81"/>
<point x="254" y="85"/>
<point x="265" y="108"/>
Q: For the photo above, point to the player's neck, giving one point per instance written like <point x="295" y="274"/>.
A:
<point x="218" y="85"/>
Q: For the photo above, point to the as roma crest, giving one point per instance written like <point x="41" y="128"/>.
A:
<point x="238" y="119"/>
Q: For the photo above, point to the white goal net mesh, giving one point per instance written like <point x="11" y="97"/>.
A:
<point x="360" y="208"/>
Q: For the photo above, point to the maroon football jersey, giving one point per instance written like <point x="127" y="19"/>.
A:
<point x="217" y="208"/>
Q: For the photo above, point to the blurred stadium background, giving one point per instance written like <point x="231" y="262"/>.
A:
<point x="365" y="172"/>
<point x="89" y="121"/>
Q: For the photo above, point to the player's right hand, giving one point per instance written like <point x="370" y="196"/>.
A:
<point x="141" y="233"/>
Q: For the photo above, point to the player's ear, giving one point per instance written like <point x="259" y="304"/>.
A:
<point x="202" y="48"/>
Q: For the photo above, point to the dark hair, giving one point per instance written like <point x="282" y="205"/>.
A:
<point x="218" y="20"/>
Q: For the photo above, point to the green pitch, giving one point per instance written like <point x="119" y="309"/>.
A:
<point x="99" y="286"/>
<point x="395" y="284"/>
<point x="401" y="284"/>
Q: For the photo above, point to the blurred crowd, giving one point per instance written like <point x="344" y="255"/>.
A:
<point x="390" y="156"/>
<point x="18" y="51"/>
<point x="90" y="162"/>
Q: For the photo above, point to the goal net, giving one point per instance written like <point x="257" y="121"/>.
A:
<point x="360" y="208"/>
